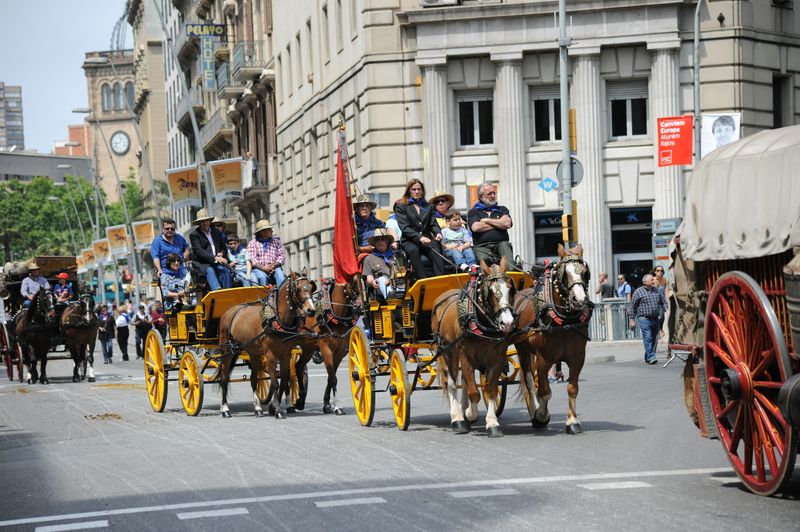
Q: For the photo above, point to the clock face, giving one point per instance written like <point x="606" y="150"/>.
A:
<point x="120" y="143"/>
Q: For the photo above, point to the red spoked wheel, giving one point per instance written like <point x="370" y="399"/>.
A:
<point x="746" y="362"/>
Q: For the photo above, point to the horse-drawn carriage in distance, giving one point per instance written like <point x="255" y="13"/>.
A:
<point x="736" y="306"/>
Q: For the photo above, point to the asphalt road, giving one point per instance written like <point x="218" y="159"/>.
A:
<point x="79" y="456"/>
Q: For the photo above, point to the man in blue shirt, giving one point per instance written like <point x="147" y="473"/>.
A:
<point x="32" y="284"/>
<point x="165" y="243"/>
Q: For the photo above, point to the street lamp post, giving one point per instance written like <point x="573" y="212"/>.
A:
<point x="80" y="224"/>
<point x="69" y="226"/>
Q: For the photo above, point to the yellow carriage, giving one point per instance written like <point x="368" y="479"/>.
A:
<point x="402" y="346"/>
<point x="192" y="350"/>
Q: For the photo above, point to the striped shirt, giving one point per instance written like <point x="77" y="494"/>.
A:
<point x="266" y="253"/>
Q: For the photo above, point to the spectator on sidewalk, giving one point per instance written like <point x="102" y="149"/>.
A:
<point x="142" y="325"/>
<point x="105" y="334"/>
<point x="647" y="309"/>
<point x="123" y="333"/>
<point x="604" y="288"/>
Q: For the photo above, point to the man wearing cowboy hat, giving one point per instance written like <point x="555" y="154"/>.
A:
<point x="265" y="256"/>
<point x="32" y="284"/>
<point x="209" y="253"/>
<point x="379" y="266"/>
<point x="366" y="222"/>
<point x="442" y="202"/>
<point x="63" y="290"/>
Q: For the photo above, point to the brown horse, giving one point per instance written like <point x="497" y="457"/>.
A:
<point x="268" y="338"/>
<point x="79" y="328"/>
<point x="33" y="327"/>
<point x="475" y="338"/>
<point x="340" y="310"/>
<point x="557" y="311"/>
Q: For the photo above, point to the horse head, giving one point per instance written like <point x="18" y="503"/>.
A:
<point x="301" y="293"/>
<point x="46" y="305"/>
<point x="572" y="277"/>
<point x="86" y="302"/>
<point x="497" y="293"/>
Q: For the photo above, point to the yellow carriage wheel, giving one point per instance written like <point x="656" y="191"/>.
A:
<point x="190" y="383"/>
<point x="502" y="391"/>
<point x="154" y="372"/>
<point x="360" y="378"/>
<point x="399" y="389"/>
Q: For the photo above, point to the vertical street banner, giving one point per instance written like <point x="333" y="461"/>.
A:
<point x="226" y="176"/>
<point x="207" y="63"/>
<point x="143" y="233"/>
<point x="184" y="186"/>
<point x="88" y="258"/>
<point x="719" y="129"/>
<point x="345" y="265"/>
<point x="675" y="140"/>
<point x="81" y="265"/>
<point x="101" y="250"/>
<point x="117" y="236"/>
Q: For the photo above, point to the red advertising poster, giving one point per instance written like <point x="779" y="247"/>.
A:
<point x="675" y="140"/>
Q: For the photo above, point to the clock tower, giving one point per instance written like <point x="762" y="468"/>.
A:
<point x="112" y="135"/>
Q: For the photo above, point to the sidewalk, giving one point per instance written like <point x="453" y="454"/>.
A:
<point x="621" y="351"/>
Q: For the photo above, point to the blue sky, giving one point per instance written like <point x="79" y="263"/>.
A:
<point x="43" y="43"/>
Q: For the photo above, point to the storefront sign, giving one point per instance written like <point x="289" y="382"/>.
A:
<point x="202" y="30"/>
<point x="207" y="63"/>
<point x="226" y="175"/>
<point x="184" y="187"/>
<point x="675" y="140"/>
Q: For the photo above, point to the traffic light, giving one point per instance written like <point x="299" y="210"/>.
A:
<point x="569" y="224"/>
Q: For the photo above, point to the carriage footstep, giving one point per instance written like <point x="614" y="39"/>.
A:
<point x="494" y="432"/>
<point x="460" y="427"/>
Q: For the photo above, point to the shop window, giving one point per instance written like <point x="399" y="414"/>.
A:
<point x="628" y="108"/>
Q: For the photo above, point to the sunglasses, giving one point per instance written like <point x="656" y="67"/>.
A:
<point x="442" y="201"/>
<point x="659" y="270"/>
<point x="169" y="229"/>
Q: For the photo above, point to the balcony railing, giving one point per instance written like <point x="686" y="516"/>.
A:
<point x="248" y="59"/>
<point x="215" y="126"/>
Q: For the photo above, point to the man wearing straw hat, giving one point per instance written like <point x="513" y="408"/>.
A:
<point x="266" y="256"/>
<point x="209" y="253"/>
<point x="366" y="222"/>
<point x="379" y="266"/>
<point x="32" y="284"/>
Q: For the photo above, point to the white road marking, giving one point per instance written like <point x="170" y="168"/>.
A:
<point x="723" y="480"/>
<point x="73" y="526"/>
<point x="212" y="513"/>
<point x="350" y="502"/>
<point x="365" y="491"/>
<point x="615" y="485"/>
<point x="482" y="493"/>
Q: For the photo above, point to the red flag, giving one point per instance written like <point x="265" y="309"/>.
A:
<point x="345" y="265"/>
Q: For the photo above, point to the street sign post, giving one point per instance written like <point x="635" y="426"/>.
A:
<point x="577" y="170"/>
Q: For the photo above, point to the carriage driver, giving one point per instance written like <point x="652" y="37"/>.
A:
<point x="379" y="266"/>
<point x="489" y="223"/>
<point x="32" y="283"/>
<point x="63" y="290"/>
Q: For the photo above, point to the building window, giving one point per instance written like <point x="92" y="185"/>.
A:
<point x="309" y="50"/>
<point x="119" y="104"/>
<point x="546" y="108"/>
<point x="353" y="19"/>
<point x="628" y="104"/>
<point x="129" y="94"/>
<point x="278" y="84"/>
<point x="475" y="118"/>
<point x="289" y="70"/>
<point x="339" y="39"/>
<point x="299" y="60"/>
<point x="106" y="94"/>
<point x="325" y="42"/>
<point x="781" y="101"/>
<point x="547" y="235"/>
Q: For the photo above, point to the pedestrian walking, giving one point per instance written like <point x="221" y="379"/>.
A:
<point x="141" y="326"/>
<point x="647" y="309"/>
<point x="106" y="334"/>
<point x="123" y="333"/>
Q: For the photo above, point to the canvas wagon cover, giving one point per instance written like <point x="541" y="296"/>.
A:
<point x="743" y="200"/>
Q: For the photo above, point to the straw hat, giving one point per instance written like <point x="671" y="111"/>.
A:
<point x="380" y="234"/>
<point x="363" y="199"/>
<point x="202" y="215"/>
<point x="33" y="266"/>
<point x="219" y="221"/>
<point x="62" y="275"/>
<point x="438" y="194"/>
<point x="261" y="225"/>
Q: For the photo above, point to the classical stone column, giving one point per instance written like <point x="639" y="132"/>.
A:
<point x="665" y="101"/>
<point x="509" y="101"/>
<point x="594" y="226"/>
<point x="435" y="131"/>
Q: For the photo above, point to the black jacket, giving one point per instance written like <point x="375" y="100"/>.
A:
<point x="414" y="225"/>
<point x="202" y="256"/>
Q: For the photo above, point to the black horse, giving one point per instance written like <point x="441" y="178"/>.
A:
<point x="79" y="329"/>
<point x="33" y="328"/>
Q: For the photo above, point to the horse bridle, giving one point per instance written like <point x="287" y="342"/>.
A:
<point x="582" y="277"/>
<point x="292" y="296"/>
<point x="40" y="297"/>
<point x="491" y="282"/>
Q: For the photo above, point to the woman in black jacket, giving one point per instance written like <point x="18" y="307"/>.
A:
<point x="420" y="232"/>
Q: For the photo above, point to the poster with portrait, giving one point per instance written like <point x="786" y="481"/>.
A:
<point x="88" y="258"/>
<point x="226" y="176"/>
<point x="719" y="129"/>
<point x="102" y="253"/>
<point x="184" y="186"/>
<point x="117" y="236"/>
<point x="143" y="233"/>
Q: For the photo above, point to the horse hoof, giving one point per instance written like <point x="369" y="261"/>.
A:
<point x="494" y="432"/>
<point x="226" y="414"/>
<point x="29" y="380"/>
<point x="259" y="413"/>
<point x="291" y="410"/>
<point x="76" y="379"/>
<point x="338" y="411"/>
<point x="327" y="409"/>
<point x="300" y="404"/>
<point x="280" y="415"/>
<point x="271" y="410"/>
<point x="91" y="379"/>
<point x="83" y="377"/>
<point x="460" y="427"/>
<point x="540" y="424"/>
<point x="575" y="428"/>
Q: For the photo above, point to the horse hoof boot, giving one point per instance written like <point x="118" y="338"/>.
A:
<point x="91" y="379"/>
<point x="460" y="427"/>
<point x="226" y="414"/>
<point x="575" y="428"/>
<point x="338" y="411"/>
<point x="494" y="432"/>
<point x="259" y="413"/>
<point x="291" y="410"/>
<point x="280" y="415"/>
<point x="540" y="424"/>
<point x="327" y="409"/>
